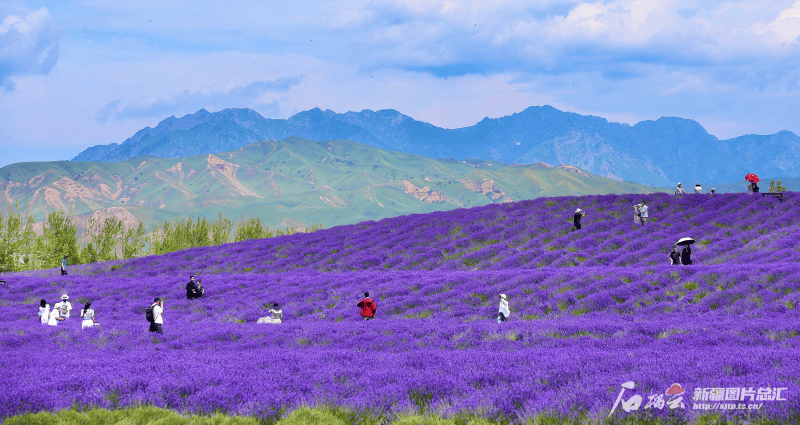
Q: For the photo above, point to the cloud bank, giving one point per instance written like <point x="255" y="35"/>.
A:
<point x="28" y="45"/>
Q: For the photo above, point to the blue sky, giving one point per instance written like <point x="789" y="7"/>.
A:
<point x="74" y="74"/>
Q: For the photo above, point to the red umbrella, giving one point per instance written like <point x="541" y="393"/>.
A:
<point x="752" y="178"/>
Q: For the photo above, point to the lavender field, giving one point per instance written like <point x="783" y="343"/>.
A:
<point x="590" y="310"/>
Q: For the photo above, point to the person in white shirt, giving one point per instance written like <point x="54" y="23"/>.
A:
<point x="64" y="307"/>
<point x="158" y="316"/>
<point x="54" y="318"/>
<point x="275" y="315"/>
<point x="44" y="312"/>
<point x="679" y="190"/>
<point x="503" y="312"/>
<point x="643" y="212"/>
<point x="88" y="316"/>
<point x="698" y="188"/>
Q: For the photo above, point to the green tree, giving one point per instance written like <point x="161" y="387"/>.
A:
<point x="133" y="242"/>
<point x="221" y="230"/>
<point x="15" y="233"/>
<point x="105" y="236"/>
<point x="250" y="229"/>
<point x="59" y="238"/>
<point x="89" y="254"/>
<point x="773" y="187"/>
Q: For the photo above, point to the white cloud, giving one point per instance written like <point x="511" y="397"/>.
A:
<point x="28" y="45"/>
<point x="785" y="29"/>
<point x="256" y="94"/>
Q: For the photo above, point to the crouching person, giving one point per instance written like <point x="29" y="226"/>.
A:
<point x="275" y="316"/>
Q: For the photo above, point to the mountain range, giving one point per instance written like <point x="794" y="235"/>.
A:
<point x="657" y="153"/>
<point x="292" y="182"/>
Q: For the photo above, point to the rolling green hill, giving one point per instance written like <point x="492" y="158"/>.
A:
<point x="293" y="182"/>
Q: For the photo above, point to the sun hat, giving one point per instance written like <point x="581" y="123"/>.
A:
<point x="578" y="210"/>
<point x="64" y="297"/>
<point x="275" y="304"/>
<point x="503" y="296"/>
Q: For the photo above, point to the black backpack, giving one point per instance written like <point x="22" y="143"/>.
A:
<point x="148" y="314"/>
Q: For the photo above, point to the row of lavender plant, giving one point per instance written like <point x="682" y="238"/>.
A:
<point x="729" y="228"/>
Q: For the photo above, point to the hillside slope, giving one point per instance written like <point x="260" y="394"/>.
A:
<point x="578" y="328"/>
<point x="659" y="153"/>
<point x="289" y="182"/>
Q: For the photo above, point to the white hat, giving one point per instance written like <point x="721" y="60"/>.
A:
<point x="64" y="297"/>
<point x="503" y="296"/>
<point x="578" y="210"/>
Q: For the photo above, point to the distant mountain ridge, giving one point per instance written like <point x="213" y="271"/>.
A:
<point x="659" y="153"/>
<point x="287" y="182"/>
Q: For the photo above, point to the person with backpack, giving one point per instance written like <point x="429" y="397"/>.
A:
<point x="686" y="253"/>
<point x="44" y="312"/>
<point x="275" y="316"/>
<point x="576" y="218"/>
<point x="675" y="256"/>
<point x="154" y="315"/>
<point x="88" y="316"/>
<point x="64" y="307"/>
<point x="368" y="307"/>
<point x="503" y="312"/>
<point x="192" y="290"/>
<point x="64" y="265"/>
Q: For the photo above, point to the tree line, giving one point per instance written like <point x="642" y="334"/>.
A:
<point x="22" y="248"/>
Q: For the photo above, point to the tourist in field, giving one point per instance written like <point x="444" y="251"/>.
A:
<point x="64" y="307"/>
<point x="192" y="290"/>
<point x="637" y="214"/>
<point x="503" y="312"/>
<point x="679" y="190"/>
<point x="64" y="265"/>
<point x="275" y="316"/>
<point x="44" y="312"/>
<point x="88" y="316"/>
<point x="713" y="191"/>
<point x="643" y="212"/>
<point x="686" y="255"/>
<point x="698" y="188"/>
<point x="368" y="307"/>
<point x="675" y="256"/>
<point x="200" y="290"/>
<point x="158" y="316"/>
<point x="752" y="188"/>
<point x="54" y="317"/>
<point x="576" y="218"/>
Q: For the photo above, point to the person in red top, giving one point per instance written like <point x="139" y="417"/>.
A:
<point x="368" y="307"/>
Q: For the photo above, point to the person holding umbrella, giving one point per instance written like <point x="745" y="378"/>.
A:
<point x="686" y="253"/>
<point x="753" y="179"/>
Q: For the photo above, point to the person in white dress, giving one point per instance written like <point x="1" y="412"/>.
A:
<point x="88" y="316"/>
<point x="275" y="316"/>
<point x="44" y="312"/>
<point x="503" y="312"/>
<point x="698" y="188"/>
<point x="64" y="307"/>
<point x="55" y="317"/>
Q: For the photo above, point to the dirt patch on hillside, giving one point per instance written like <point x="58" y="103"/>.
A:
<point x="424" y="194"/>
<point x="228" y="170"/>
<point x="487" y="187"/>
